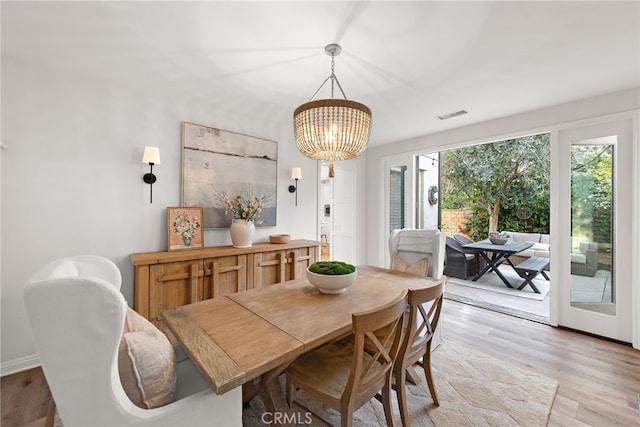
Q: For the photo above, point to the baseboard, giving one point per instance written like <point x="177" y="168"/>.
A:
<point x="18" y="365"/>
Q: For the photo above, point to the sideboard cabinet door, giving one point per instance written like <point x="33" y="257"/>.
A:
<point x="173" y="285"/>
<point x="225" y="275"/>
<point x="279" y="266"/>
<point x="269" y="268"/>
<point x="298" y="260"/>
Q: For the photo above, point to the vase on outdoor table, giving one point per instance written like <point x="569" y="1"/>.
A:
<point x="242" y="233"/>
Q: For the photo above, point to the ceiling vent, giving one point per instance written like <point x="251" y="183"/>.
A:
<point x="450" y="115"/>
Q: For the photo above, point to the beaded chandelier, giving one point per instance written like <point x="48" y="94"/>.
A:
<point x="332" y="129"/>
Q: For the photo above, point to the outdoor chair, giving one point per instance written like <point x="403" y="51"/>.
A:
<point x="459" y="263"/>
<point x="464" y="240"/>
<point x="584" y="258"/>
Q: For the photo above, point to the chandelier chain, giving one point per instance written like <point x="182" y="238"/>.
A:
<point x="333" y="74"/>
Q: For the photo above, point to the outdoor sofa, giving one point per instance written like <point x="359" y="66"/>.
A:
<point x="584" y="254"/>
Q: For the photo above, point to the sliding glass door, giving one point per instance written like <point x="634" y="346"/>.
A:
<point x="595" y="225"/>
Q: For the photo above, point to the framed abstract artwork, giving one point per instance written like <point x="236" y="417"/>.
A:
<point x="184" y="228"/>
<point x="215" y="160"/>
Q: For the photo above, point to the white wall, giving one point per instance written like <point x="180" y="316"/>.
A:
<point x="431" y="169"/>
<point x="72" y="181"/>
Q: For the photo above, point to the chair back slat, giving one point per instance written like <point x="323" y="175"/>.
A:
<point x="417" y="338"/>
<point x="378" y="336"/>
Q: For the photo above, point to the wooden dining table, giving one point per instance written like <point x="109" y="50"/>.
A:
<point x="249" y="338"/>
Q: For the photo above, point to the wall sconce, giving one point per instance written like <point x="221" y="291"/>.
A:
<point x="152" y="156"/>
<point x="296" y="174"/>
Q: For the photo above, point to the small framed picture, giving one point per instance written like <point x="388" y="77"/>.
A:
<point x="184" y="228"/>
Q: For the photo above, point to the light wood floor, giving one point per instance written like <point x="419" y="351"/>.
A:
<point x="599" y="380"/>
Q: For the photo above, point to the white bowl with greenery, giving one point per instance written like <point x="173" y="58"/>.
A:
<point x="331" y="277"/>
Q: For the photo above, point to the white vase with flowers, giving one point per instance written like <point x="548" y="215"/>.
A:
<point x="245" y="208"/>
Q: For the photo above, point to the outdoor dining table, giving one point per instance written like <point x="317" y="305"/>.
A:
<point x="249" y="338"/>
<point x="494" y="255"/>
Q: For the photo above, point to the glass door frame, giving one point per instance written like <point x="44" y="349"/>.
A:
<point x="407" y="160"/>
<point x="622" y="326"/>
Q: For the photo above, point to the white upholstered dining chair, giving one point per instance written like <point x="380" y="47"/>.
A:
<point x="77" y="315"/>
<point x="409" y="248"/>
<point x="413" y="245"/>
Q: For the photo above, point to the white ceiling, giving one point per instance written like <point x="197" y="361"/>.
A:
<point x="408" y="61"/>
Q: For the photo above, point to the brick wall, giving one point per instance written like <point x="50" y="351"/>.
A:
<point x="452" y="220"/>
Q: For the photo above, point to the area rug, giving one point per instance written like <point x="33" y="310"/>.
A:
<point x="475" y="389"/>
<point x="491" y="282"/>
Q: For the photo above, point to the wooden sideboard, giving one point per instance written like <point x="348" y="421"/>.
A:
<point x="164" y="280"/>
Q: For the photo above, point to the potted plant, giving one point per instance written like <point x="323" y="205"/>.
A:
<point x="331" y="277"/>
<point x="246" y="209"/>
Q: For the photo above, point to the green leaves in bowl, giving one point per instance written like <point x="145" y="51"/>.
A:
<point x="334" y="268"/>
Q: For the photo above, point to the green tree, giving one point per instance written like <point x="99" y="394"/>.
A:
<point x="591" y="191"/>
<point x="504" y="175"/>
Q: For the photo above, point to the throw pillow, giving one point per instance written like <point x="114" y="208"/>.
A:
<point x="418" y="268"/>
<point x="146" y="363"/>
<point x="586" y="247"/>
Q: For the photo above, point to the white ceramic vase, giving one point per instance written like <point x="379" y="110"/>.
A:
<point x="242" y="233"/>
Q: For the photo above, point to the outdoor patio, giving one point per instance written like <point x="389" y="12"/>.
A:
<point x="593" y="293"/>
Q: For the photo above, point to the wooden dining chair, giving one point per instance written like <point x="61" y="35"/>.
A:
<point x="342" y="374"/>
<point x="416" y="342"/>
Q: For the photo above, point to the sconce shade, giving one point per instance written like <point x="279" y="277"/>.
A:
<point x="296" y="173"/>
<point x="151" y="155"/>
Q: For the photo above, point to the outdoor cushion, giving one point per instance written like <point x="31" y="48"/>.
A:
<point x="577" y="244"/>
<point x="578" y="258"/>
<point x="543" y="254"/>
<point x="525" y="237"/>
<point x="540" y="247"/>
<point x="541" y="244"/>
<point x="526" y="253"/>
<point x="146" y="363"/>
<point x="588" y="246"/>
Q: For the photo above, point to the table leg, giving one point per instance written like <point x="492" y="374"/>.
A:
<point x="250" y="390"/>
<point x="492" y="264"/>
<point x="504" y="279"/>
<point x="273" y="397"/>
<point x="508" y="260"/>
<point x="488" y="266"/>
